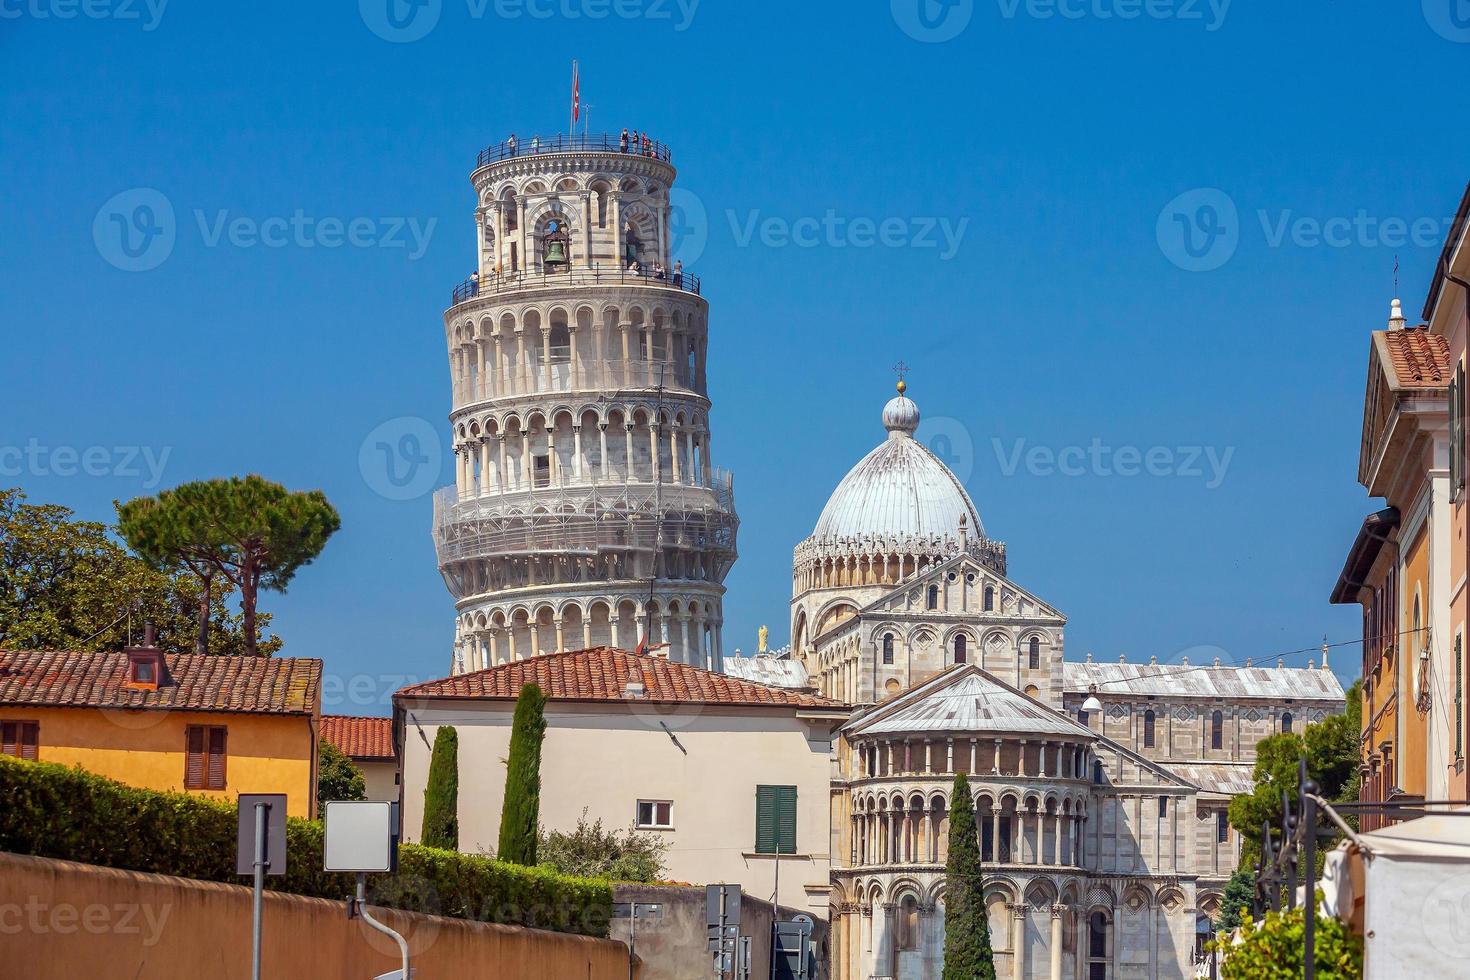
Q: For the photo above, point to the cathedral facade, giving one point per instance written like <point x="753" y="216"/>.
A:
<point x="1099" y="789"/>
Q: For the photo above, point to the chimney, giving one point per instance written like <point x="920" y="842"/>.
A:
<point x="1396" y="316"/>
<point x="146" y="667"/>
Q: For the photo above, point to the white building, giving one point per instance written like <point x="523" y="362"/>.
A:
<point x="585" y="509"/>
<point x="721" y="768"/>
<point x="1102" y="831"/>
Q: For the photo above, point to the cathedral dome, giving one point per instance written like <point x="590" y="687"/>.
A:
<point x="899" y="491"/>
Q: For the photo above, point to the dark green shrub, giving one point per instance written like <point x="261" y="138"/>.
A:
<point x="441" y="793"/>
<point x="56" y="812"/>
<point x="967" y="952"/>
<point x="520" y="818"/>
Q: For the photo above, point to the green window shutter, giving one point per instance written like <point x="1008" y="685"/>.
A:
<point x="786" y="818"/>
<point x="765" y="819"/>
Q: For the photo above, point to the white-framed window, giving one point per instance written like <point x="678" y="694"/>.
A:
<point x="655" y="815"/>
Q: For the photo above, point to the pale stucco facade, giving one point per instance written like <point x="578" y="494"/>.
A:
<point x="602" y="758"/>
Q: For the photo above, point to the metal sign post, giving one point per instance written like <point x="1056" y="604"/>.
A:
<point x="360" y="839"/>
<point x="260" y="850"/>
<point x="722" y="924"/>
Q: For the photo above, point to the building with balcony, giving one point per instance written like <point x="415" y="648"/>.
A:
<point x="586" y="509"/>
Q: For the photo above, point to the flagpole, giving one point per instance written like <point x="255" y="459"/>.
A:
<point x="572" y="112"/>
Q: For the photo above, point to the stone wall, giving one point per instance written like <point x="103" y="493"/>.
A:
<point x="671" y="945"/>
<point x="60" y="920"/>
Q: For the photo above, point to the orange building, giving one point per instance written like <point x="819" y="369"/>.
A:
<point x="216" y="726"/>
<point x="1447" y="315"/>
<point x="1408" y="566"/>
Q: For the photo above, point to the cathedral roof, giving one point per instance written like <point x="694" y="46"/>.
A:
<point x="966" y="699"/>
<point x="1180" y="681"/>
<point x="899" y="490"/>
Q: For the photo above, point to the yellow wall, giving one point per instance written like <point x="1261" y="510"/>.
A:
<point x="1412" y="748"/>
<point x="264" y="753"/>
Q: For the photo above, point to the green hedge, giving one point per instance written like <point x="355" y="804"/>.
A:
<point x="53" y="811"/>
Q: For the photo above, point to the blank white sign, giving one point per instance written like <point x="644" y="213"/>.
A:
<point x="359" y="837"/>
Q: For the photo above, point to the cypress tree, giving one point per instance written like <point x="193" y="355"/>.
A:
<point x="521" y="816"/>
<point x="967" y="954"/>
<point x="441" y="795"/>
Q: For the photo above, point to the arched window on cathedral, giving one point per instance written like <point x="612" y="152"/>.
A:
<point x="1148" y="729"/>
<point x="1097" y="945"/>
<point x="888" y="648"/>
<point x="1222" y="827"/>
<point x="960" y="647"/>
<point x="1097" y="771"/>
<point x="1217" y="730"/>
<point x="933" y="600"/>
<point x="1034" y="654"/>
<point x="908" y="923"/>
<point x="1286" y="722"/>
<point x="1082" y="717"/>
<point x="989" y="599"/>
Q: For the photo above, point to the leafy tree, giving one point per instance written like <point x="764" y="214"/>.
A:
<point x="255" y="533"/>
<point x="66" y="584"/>
<point x="592" y="852"/>
<point x="337" y="776"/>
<point x="441" y="794"/>
<point x="1330" y="748"/>
<point x="1240" y="890"/>
<point x="967" y="953"/>
<point x="521" y="815"/>
<point x="1275" y="949"/>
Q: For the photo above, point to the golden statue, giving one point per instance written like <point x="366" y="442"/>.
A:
<point x="761" y="634"/>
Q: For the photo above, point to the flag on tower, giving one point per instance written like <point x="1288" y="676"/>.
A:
<point x="576" y="95"/>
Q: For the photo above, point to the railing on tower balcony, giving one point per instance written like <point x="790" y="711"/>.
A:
<point x="562" y="143"/>
<point x="559" y="375"/>
<point x="506" y="282"/>
<point x="586" y="519"/>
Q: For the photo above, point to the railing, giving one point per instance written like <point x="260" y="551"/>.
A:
<point x="589" y="520"/>
<point x="506" y="282"/>
<point x="562" y="143"/>
<point x="588" y="374"/>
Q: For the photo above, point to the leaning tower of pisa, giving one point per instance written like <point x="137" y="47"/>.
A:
<point x="585" y="509"/>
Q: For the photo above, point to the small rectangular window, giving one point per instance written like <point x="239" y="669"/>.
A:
<point x="204" y="757"/>
<point x="655" y="815"/>
<point x="775" y="819"/>
<point x="20" y="738"/>
<point x="1222" y="827"/>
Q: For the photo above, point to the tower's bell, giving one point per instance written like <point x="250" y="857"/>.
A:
<point x="556" y="252"/>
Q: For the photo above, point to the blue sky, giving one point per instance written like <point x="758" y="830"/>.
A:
<point x="1067" y="150"/>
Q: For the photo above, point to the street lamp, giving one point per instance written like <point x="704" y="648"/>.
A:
<point x="1092" y="703"/>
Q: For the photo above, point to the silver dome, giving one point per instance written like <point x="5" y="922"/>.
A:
<point x="900" y="490"/>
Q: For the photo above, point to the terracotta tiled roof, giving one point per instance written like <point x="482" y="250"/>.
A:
<point x="271" y="685"/>
<point x="1420" y="359"/>
<point x="602" y="673"/>
<point x="358" y="737"/>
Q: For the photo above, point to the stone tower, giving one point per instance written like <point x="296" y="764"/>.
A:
<point x="585" y="510"/>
